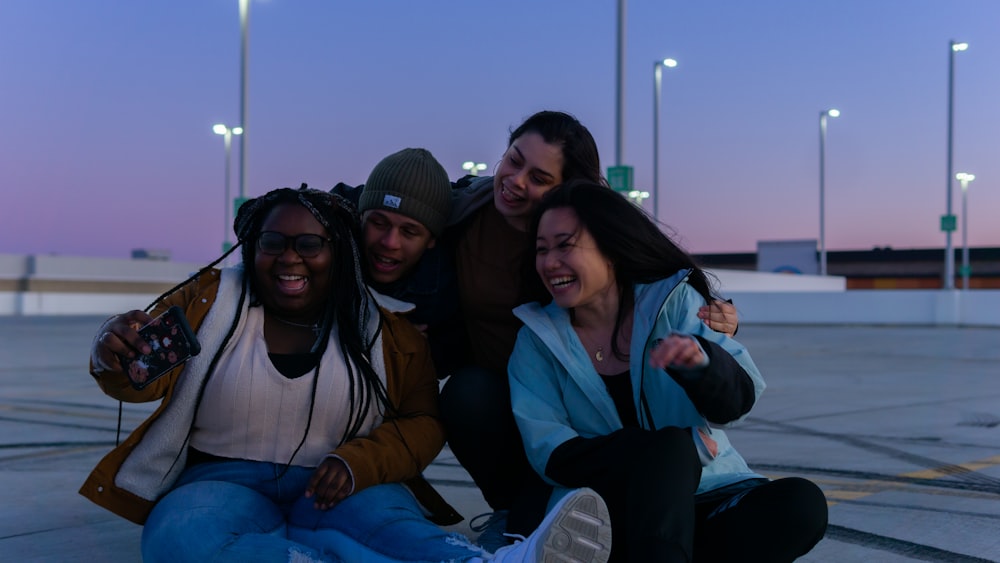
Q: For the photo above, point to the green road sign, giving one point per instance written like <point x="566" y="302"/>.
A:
<point x="237" y="202"/>
<point x="621" y="178"/>
<point x="965" y="270"/>
<point x="948" y="223"/>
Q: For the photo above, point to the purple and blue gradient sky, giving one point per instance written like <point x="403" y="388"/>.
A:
<point x="107" y="107"/>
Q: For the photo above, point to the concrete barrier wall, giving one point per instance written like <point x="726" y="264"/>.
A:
<point x="747" y="281"/>
<point x="878" y="307"/>
<point x="75" y="285"/>
<point x="56" y="285"/>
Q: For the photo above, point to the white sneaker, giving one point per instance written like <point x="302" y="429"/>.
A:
<point x="576" y="530"/>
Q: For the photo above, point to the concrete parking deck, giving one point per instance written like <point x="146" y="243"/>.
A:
<point x="900" y="427"/>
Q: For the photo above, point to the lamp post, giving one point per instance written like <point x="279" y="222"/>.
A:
<point x="227" y="135"/>
<point x="949" y="255"/>
<point x="965" y="179"/>
<point x="473" y="168"/>
<point x="822" y="185"/>
<point x="620" y="84"/>
<point x="657" y="81"/>
<point x="244" y="41"/>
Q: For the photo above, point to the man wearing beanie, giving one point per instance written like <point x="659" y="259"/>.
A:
<point x="405" y="205"/>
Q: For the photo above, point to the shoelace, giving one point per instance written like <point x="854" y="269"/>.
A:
<point x="493" y="517"/>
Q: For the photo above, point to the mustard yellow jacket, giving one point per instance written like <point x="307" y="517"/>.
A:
<point x="131" y="478"/>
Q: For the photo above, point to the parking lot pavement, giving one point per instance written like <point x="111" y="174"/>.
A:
<point x="899" y="426"/>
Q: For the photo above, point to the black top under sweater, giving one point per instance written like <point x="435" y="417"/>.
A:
<point x="620" y="388"/>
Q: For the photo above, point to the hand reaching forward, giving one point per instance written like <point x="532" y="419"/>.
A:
<point x="677" y="351"/>
<point x="720" y="316"/>
<point x="330" y="483"/>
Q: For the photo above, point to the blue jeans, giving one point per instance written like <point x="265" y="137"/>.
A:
<point x="243" y="511"/>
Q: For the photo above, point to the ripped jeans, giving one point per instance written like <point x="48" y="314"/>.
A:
<point x="243" y="511"/>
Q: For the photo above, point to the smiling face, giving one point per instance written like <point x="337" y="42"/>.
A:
<point x="530" y="168"/>
<point x="570" y="264"/>
<point x="394" y="244"/>
<point x="293" y="287"/>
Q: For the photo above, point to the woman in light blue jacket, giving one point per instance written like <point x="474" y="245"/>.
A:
<point x="617" y="385"/>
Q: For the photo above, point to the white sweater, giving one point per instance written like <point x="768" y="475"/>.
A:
<point x="265" y="413"/>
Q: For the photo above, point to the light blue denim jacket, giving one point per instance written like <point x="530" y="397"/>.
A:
<point x="557" y="395"/>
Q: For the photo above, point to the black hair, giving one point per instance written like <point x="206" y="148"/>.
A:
<point x="638" y="250"/>
<point x="580" y="157"/>
<point x="350" y="303"/>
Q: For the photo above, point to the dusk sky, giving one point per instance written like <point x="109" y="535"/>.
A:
<point x="107" y="107"/>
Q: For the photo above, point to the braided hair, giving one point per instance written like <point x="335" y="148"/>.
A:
<point x="349" y="305"/>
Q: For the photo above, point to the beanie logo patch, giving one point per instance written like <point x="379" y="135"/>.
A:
<point x="392" y="201"/>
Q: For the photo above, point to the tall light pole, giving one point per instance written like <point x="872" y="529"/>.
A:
<point x="244" y="20"/>
<point x="965" y="179"/>
<point x="473" y="168"/>
<point x="657" y="80"/>
<point x="227" y="135"/>
<point x="822" y="186"/>
<point x="620" y="87"/>
<point x="947" y="223"/>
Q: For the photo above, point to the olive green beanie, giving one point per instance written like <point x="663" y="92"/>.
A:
<point x="410" y="182"/>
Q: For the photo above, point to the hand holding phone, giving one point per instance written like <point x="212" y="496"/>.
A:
<point x="171" y="342"/>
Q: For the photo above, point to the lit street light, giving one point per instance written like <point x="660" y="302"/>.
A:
<point x="965" y="179"/>
<point x="637" y="196"/>
<point x="948" y="221"/>
<point x="822" y="185"/>
<point x="657" y="80"/>
<point x="473" y="168"/>
<point x="227" y="135"/>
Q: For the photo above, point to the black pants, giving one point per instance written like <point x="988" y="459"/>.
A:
<point x="648" y="480"/>
<point x="479" y="423"/>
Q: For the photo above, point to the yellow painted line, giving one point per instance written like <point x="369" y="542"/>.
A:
<point x="847" y="495"/>
<point x="868" y="488"/>
<point x="952" y="469"/>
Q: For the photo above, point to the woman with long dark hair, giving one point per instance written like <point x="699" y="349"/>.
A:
<point x="617" y="385"/>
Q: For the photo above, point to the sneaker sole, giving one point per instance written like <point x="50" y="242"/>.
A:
<point x="581" y="532"/>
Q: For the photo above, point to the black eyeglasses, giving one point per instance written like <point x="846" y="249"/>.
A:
<point x="306" y="246"/>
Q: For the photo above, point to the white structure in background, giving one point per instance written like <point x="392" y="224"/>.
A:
<point x="72" y="285"/>
<point x="787" y="257"/>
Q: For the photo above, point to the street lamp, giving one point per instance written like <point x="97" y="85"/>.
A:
<point x="657" y="80"/>
<point x="822" y="184"/>
<point x="473" y="168"/>
<point x="244" y="41"/>
<point x="637" y="196"/>
<point x="620" y="84"/>
<point x="947" y="223"/>
<point x="965" y="179"/>
<point x="227" y="135"/>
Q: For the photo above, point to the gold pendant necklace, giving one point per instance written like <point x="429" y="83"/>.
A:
<point x="599" y="354"/>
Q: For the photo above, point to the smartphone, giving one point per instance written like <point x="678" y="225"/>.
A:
<point x="171" y="341"/>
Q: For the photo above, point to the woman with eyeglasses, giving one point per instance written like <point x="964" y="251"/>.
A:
<point x="300" y="431"/>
